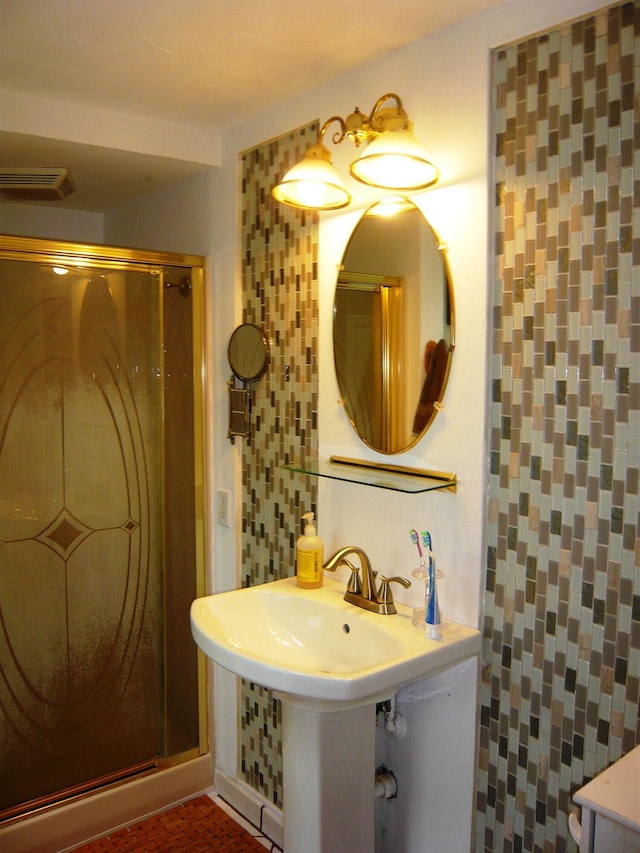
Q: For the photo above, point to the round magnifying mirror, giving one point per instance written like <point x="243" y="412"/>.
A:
<point x="393" y="333"/>
<point x="248" y="352"/>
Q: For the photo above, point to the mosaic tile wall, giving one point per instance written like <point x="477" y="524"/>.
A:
<point x="280" y="294"/>
<point x="561" y="686"/>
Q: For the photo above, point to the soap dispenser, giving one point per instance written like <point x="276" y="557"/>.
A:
<point x="309" y="555"/>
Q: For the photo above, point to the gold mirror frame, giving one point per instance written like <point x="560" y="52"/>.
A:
<point x="394" y="327"/>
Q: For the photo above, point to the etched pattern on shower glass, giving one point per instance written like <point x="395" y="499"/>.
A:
<point x="279" y="285"/>
<point x="80" y="409"/>
<point x="561" y="688"/>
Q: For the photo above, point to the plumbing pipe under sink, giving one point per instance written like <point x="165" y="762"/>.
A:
<point x="392" y="722"/>
<point x="386" y="787"/>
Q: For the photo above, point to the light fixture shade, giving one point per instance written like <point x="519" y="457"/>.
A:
<point x="313" y="183"/>
<point x="395" y="160"/>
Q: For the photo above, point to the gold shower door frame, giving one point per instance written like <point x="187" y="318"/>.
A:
<point x="49" y="731"/>
<point x="368" y="337"/>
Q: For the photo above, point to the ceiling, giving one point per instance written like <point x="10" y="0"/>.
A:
<point x="205" y="63"/>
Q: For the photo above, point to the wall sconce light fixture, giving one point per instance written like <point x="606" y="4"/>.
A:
<point x="392" y="160"/>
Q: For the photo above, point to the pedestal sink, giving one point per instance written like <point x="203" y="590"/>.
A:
<point x="329" y="662"/>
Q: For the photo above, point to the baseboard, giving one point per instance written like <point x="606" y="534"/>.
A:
<point x="251" y="805"/>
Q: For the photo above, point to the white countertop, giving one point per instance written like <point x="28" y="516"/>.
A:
<point x="616" y="791"/>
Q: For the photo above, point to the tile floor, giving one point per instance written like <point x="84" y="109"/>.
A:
<point x="204" y="823"/>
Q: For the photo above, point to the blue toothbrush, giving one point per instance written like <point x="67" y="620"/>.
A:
<point x="432" y="610"/>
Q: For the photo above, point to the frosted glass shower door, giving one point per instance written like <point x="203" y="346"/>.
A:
<point x="81" y="398"/>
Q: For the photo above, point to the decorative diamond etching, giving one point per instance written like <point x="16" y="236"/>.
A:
<point x="64" y="534"/>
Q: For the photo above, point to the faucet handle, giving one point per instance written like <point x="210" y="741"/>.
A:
<point x="385" y="596"/>
<point x="354" y="585"/>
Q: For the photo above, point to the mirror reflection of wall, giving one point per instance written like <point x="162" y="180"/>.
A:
<point x="393" y="327"/>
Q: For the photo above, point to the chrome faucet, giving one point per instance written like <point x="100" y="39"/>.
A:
<point x="361" y="588"/>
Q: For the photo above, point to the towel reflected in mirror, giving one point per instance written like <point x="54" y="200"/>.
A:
<point x="436" y="359"/>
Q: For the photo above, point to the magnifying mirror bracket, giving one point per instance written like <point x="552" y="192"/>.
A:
<point x="239" y="411"/>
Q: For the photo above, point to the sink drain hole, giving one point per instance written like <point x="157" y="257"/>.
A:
<point x="346" y="628"/>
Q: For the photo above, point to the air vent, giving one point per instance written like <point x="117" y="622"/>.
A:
<point x="23" y="184"/>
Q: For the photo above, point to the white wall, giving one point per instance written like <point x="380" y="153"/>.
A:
<point x="176" y="219"/>
<point x="25" y="220"/>
<point x="88" y="125"/>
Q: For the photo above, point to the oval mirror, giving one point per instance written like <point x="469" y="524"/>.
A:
<point x="248" y="352"/>
<point x="393" y="331"/>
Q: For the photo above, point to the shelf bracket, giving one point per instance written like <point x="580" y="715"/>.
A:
<point x="450" y="480"/>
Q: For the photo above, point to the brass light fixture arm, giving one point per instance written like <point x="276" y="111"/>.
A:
<point x="338" y="136"/>
<point x="378" y="122"/>
<point x="383" y="99"/>
<point x="360" y="128"/>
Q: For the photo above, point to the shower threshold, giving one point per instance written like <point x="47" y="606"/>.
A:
<point x="22" y="810"/>
<point x="93" y="814"/>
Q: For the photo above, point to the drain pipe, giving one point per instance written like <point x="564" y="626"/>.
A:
<point x="386" y="787"/>
<point x="394" y="723"/>
<point x="386" y="784"/>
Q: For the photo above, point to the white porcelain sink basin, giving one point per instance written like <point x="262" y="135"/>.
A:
<point x="314" y="645"/>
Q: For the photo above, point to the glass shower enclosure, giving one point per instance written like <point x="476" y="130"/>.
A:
<point x="101" y="517"/>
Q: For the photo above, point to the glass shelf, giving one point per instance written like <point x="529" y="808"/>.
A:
<point x="377" y="474"/>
